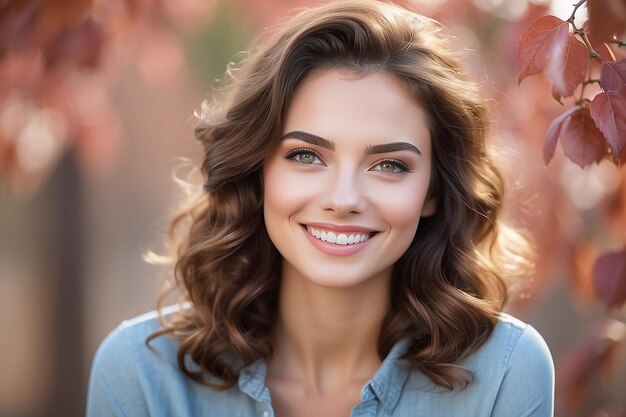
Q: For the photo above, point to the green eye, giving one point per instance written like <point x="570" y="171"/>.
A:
<point x="387" y="167"/>
<point x="390" y="166"/>
<point x="304" y="156"/>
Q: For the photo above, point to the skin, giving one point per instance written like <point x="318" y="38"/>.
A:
<point x="369" y="172"/>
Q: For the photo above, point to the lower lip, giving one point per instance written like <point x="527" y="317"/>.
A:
<point x="334" y="249"/>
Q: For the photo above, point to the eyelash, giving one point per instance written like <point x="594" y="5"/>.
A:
<point x="399" y="164"/>
<point x="403" y="167"/>
<point x="299" y="151"/>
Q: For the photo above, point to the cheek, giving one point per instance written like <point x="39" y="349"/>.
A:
<point x="404" y="225"/>
<point x="283" y="194"/>
<point x="402" y="204"/>
<point x="404" y="216"/>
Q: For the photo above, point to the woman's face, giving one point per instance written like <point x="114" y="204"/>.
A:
<point x="346" y="187"/>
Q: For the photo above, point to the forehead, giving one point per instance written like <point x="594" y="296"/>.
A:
<point x="373" y="108"/>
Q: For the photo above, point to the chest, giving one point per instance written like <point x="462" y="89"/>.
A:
<point x="291" y="400"/>
<point x="333" y="408"/>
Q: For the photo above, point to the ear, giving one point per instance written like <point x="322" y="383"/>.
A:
<point x="430" y="207"/>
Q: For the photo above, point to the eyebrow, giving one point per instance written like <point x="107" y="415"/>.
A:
<point x="369" y="150"/>
<point x="310" y="138"/>
<point x="392" y="147"/>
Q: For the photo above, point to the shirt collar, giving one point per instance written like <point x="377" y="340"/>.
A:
<point x="252" y="381"/>
<point x="388" y="381"/>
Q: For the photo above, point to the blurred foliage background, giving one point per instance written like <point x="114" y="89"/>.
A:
<point x="96" y="112"/>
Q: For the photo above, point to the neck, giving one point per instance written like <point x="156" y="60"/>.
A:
<point x="326" y="337"/>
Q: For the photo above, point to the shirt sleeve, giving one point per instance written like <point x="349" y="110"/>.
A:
<point x="114" y="388"/>
<point x="527" y="388"/>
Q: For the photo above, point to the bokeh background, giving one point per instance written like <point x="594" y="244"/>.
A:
<point x="96" y="122"/>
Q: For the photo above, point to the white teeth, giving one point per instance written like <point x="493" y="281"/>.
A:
<point x="339" y="239"/>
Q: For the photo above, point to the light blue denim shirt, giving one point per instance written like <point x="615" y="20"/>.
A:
<point x="513" y="370"/>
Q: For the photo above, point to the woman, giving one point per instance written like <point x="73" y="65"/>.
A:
<point x="346" y="255"/>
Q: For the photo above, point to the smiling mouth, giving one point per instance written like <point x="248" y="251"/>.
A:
<point x="338" y="238"/>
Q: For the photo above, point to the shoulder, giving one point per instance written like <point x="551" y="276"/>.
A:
<point x="513" y="348"/>
<point x="516" y="365"/>
<point x="513" y="377"/>
<point x="125" y="367"/>
<point x="128" y="342"/>
<point x="516" y="341"/>
<point x="132" y="377"/>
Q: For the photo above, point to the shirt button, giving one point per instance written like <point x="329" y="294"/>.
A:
<point x="266" y="414"/>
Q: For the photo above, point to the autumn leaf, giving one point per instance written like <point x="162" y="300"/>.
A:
<point x="610" y="278"/>
<point x="606" y="18"/>
<point x="548" y="46"/>
<point x="600" y="47"/>
<point x="567" y="65"/>
<point x="46" y="50"/>
<point x="552" y="136"/>
<point x="537" y="43"/>
<point x="613" y="75"/>
<point x="581" y="140"/>
<point x="608" y="111"/>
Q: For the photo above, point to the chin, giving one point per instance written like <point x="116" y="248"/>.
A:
<point x="338" y="279"/>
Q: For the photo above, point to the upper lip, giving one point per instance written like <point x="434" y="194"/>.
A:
<point x="340" y="228"/>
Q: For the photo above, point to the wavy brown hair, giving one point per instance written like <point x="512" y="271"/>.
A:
<point x="447" y="289"/>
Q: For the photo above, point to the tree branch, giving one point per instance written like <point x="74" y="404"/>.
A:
<point x="617" y="42"/>
<point x="576" y="6"/>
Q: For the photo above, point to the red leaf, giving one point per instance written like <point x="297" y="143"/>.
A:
<point x="536" y="44"/>
<point x="601" y="48"/>
<point x="581" y="140"/>
<point x="567" y="65"/>
<point x="613" y="75"/>
<point x="606" y="18"/>
<point x="552" y="136"/>
<point x="608" y="111"/>
<point x="610" y="278"/>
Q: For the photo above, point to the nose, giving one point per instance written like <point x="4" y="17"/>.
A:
<point x="343" y="194"/>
